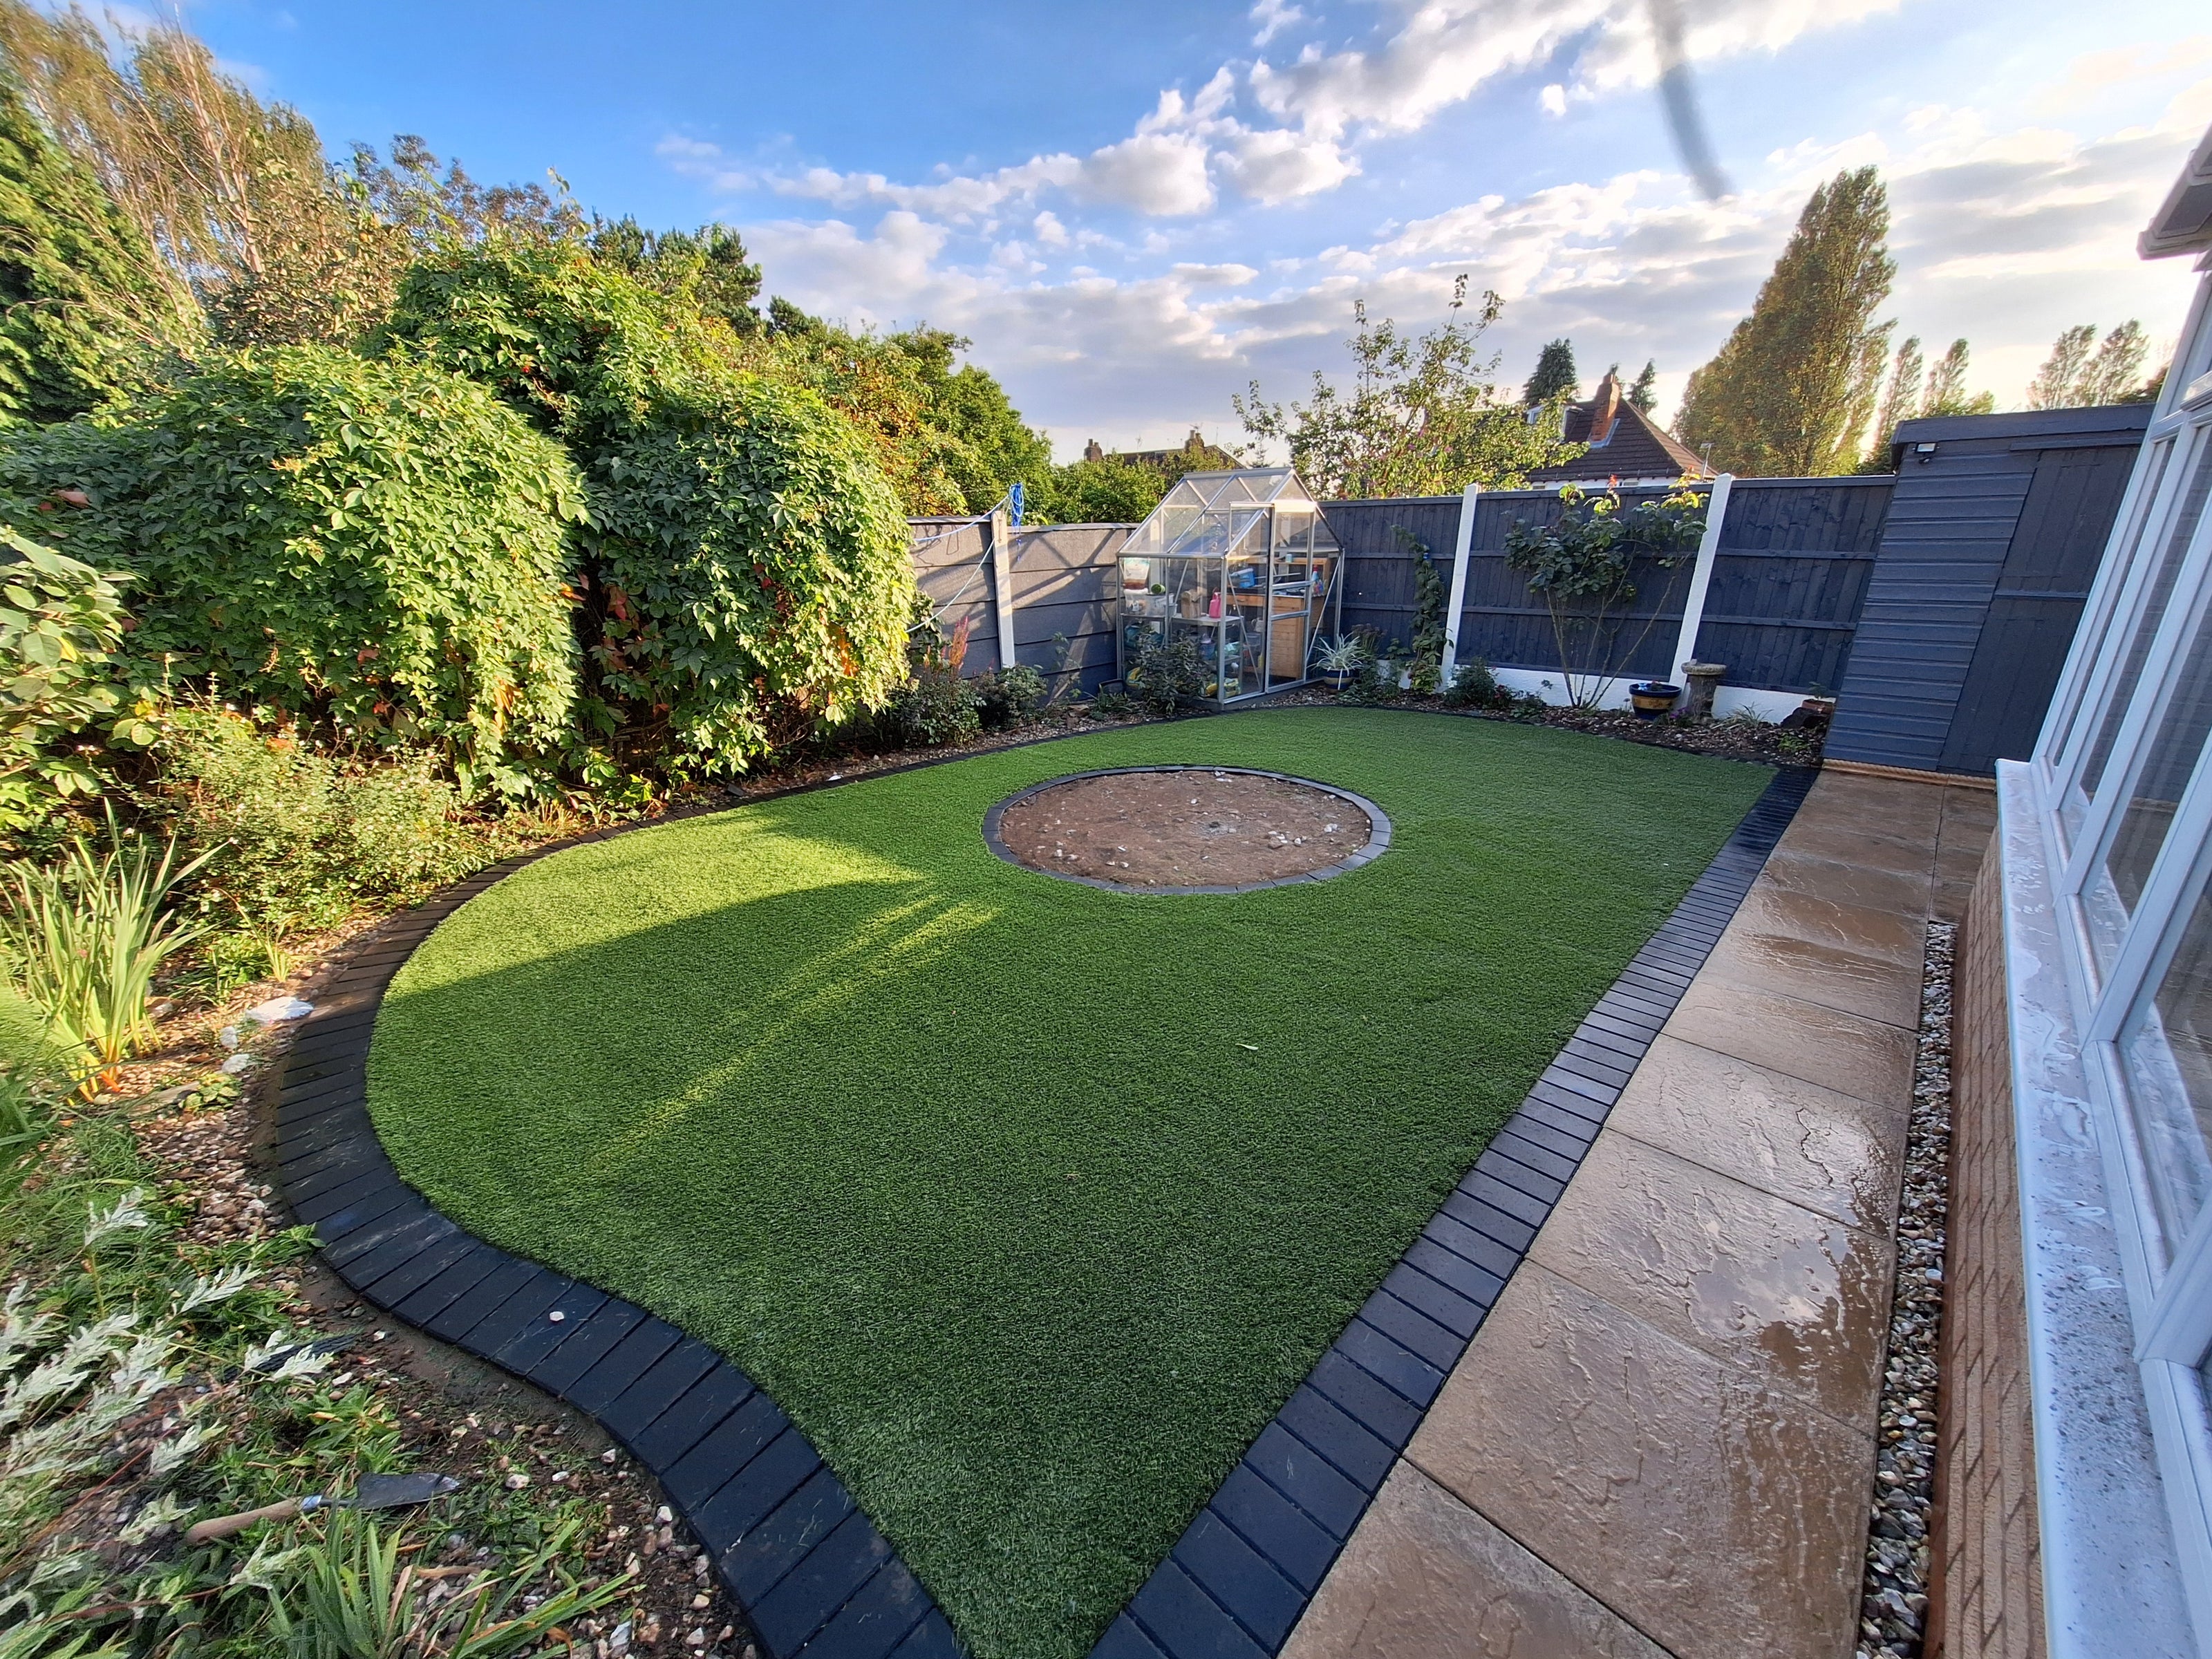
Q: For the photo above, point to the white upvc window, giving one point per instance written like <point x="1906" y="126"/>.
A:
<point x="2124" y="773"/>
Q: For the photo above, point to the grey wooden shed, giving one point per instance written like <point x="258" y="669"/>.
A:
<point x="1995" y="529"/>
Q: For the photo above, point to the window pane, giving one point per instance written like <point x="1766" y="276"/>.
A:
<point x="2169" y="1056"/>
<point x="2123" y="555"/>
<point x="2165" y="771"/>
<point x="2154" y="612"/>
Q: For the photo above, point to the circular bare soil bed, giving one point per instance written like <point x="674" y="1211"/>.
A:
<point x="1162" y="829"/>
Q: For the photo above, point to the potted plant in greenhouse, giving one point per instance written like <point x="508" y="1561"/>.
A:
<point x="1652" y="698"/>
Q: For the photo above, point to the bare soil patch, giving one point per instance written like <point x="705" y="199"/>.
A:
<point x="1188" y="827"/>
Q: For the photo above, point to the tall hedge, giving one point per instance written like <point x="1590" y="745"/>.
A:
<point x="379" y="545"/>
<point x="748" y="561"/>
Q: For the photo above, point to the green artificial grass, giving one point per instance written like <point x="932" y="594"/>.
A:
<point x="1030" y="1202"/>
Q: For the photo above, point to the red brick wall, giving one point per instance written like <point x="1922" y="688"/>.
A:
<point x="1987" y="1600"/>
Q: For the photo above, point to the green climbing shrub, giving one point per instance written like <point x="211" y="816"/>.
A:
<point x="748" y="562"/>
<point x="381" y="549"/>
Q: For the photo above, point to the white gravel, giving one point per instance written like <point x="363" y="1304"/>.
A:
<point x="1894" y="1611"/>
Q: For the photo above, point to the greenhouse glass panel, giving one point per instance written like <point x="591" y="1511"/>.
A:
<point x="1234" y="574"/>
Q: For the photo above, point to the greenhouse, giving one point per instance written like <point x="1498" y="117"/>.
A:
<point x="1243" y="565"/>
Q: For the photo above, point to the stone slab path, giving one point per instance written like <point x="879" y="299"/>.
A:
<point x="1661" y="1441"/>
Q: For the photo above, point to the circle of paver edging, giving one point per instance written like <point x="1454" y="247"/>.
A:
<point x="1378" y="831"/>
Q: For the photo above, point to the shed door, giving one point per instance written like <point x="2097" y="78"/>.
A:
<point x="2053" y="557"/>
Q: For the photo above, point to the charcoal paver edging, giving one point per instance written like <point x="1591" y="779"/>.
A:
<point x="790" y="1545"/>
<point x="1242" y="1575"/>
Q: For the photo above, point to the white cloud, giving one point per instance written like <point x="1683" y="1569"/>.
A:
<point x="1552" y="99"/>
<point x="1274" y="16"/>
<point x="1278" y="166"/>
<point x="1160" y="173"/>
<point x="1050" y="233"/>
<point x="2004" y="236"/>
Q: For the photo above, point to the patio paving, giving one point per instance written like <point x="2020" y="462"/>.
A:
<point x="1661" y="1440"/>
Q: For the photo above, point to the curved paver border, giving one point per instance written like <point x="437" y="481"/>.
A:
<point x="1237" y="1582"/>
<point x="1378" y="830"/>
<point x="790" y="1544"/>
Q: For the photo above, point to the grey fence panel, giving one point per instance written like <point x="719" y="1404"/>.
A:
<point x="1067" y="589"/>
<point x="1993" y="538"/>
<point x="952" y="567"/>
<point x="1790" y="579"/>
<point x="1500" y="621"/>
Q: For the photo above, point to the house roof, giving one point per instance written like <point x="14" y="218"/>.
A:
<point x="2183" y="223"/>
<point x="1624" y="443"/>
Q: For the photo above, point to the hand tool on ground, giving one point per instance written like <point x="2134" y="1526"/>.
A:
<point x="371" y="1492"/>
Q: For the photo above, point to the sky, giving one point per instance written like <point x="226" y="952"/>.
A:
<point x="1134" y="212"/>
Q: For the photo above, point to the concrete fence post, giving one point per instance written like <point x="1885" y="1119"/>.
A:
<point x="1002" y="581"/>
<point x="1462" y="546"/>
<point x="1701" y="576"/>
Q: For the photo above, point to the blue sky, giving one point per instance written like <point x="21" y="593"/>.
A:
<point x="1134" y="211"/>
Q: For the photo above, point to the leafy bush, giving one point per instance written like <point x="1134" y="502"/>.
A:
<point x="61" y="623"/>
<point x="1008" y="696"/>
<point x="380" y="547"/>
<point x="933" y="708"/>
<point x="1583" y="566"/>
<point x="298" y="837"/>
<point x="1164" y="674"/>
<point x="749" y="562"/>
<point x="1473" y="686"/>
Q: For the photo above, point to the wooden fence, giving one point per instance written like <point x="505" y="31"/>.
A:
<point x="1976" y="579"/>
<point x="1066" y="586"/>
<point x="1790" y="575"/>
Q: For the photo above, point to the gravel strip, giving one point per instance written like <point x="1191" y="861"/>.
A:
<point x="1894" y="1608"/>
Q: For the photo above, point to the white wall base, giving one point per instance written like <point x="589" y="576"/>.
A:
<point x="1769" y="706"/>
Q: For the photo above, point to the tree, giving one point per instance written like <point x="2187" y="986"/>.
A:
<point x="1096" y="492"/>
<point x="1946" y="392"/>
<point x="1899" y="402"/>
<point x="1791" y="390"/>
<point x="85" y="309"/>
<point x="1644" y="394"/>
<point x="2080" y="374"/>
<point x="235" y="195"/>
<point x="707" y="267"/>
<point x="1554" y="376"/>
<point x="1423" y="417"/>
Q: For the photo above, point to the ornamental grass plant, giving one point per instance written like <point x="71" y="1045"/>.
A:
<point x="84" y="937"/>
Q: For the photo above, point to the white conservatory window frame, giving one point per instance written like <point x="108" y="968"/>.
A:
<point x="2168" y="1281"/>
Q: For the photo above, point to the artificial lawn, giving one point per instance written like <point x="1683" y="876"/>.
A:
<point x="1030" y="1202"/>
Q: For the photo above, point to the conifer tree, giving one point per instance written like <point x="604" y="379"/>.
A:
<point x="2053" y="384"/>
<point x="1946" y="392"/>
<point x="1901" y="401"/>
<point x="85" y="306"/>
<point x="1645" y="392"/>
<point x="1555" y="375"/>
<point x="1790" y="392"/>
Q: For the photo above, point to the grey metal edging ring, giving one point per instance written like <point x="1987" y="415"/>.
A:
<point x="1378" y="838"/>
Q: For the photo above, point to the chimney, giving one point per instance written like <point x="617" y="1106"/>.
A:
<point x="1605" y="406"/>
<point x="1092" y="453"/>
